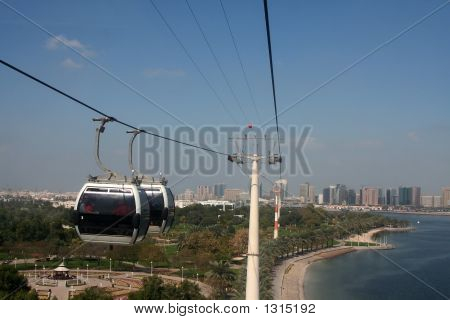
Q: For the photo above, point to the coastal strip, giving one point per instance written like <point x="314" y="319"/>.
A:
<point x="288" y="283"/>
<point x="368" y="236"/>
<point x="290" y="274"/>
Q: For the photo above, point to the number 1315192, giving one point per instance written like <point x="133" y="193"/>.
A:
<point x="290" y="308"/>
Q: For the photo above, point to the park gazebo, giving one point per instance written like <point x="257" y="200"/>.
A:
<point x="61" y="272"/>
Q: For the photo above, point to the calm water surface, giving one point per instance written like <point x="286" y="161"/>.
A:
<point x="418" y="268"/>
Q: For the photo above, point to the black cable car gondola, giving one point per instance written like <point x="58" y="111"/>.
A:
<point x="160" y="197"/>
<point x="111" y="209"/>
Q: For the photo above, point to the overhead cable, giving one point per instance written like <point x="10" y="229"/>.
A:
<point x="96" y="110"/>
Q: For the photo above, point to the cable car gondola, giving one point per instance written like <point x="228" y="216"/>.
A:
<point x="160" y="197"/>
<point x="162" y="205"/>
<point x="111" y="209"/>
<point x="114" y="213"/>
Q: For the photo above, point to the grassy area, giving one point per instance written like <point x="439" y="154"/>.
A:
<point x="48" y="265"/>
<point x="191" y="273"/>
<point x="156" y="264"/>
<point x="98" y="264"/>
<point x="4" y="256"/>
<point x="171" y="250"/>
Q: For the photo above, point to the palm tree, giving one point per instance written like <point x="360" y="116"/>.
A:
<point x="220" y="277"/>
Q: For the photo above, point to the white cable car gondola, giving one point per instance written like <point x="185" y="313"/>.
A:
<point x="162" y="205"/>
<point x="109" y="212"/>
<point x="160" y="197"/>
<point x="111" y="209"/>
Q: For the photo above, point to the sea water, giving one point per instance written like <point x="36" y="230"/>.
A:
<point x="418" y="267"/>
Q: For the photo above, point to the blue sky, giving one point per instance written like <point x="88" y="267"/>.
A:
<point x="383" y="123"/>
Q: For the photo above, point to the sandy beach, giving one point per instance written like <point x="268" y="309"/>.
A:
<point x="368" y="236"/>
<point x="288" y="283"/>
<point x="290" y="274"/>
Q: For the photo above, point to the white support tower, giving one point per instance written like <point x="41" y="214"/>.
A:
<point x="252" y="285"/>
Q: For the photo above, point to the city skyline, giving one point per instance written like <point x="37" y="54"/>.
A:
<point x="335" y="194"/>
<point x="335" y="197"/>
<point x="264" y="186"/>
<point x="382" y="122"/>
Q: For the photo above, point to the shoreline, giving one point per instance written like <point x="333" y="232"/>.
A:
<point x="289" y="280"/>
<point x="418" y="213"/>
<point x="290" y="275"/>
<point x="368" y="236"/>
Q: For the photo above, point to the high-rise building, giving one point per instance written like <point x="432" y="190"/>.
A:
<point x="304" y="192"/>
<point x="188" y="194"/>
<point x="351" y="198"/>
<point x="437" y="202"/>
<point x="445" y="197"/>
<point x="409" y="196"/>
<point x="337" y="194"/>
<point x="381" y="197"/>
<point x="244" y="197"/>
<point x="430" y="201"/>
<point x="341" y="194"/>
<point x="232" y="195"/>
<point x="326" y="196"/>
<point x="312" y="194"/>
<point x="415" y="196"/>
<point x="332" y="195"/>
<point x="391" y="197"/>
<point x="204" y="193"/>
<point x="219" y="189"/>
<point x="358" y="198"/>
<point x="320" y="198"/>
<point x="427" y="201"/>
<point x="369" y="196"/>
<point x="405" y="196"/>
<point x="307" y="193"/>
<point x="394" y="197"/>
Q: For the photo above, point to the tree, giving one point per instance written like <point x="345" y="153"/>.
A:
<point x="151" y="252"/>
<point x="155" y="289"/>
<point x="188" y="290"/>
<point x="239" y="242"/>
<point x="14" y="286"/>
<point x="93" y="293"/>
<point x="152" y="289"/>
<point x="221" y="278"/>
<point x="203" y="246"/>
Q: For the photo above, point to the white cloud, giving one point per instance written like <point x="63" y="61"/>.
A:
<point x="164" y="73"/>
<point x="70" y="64"/>
<point x="55" y="43"/>
<point x="413" y="136"/>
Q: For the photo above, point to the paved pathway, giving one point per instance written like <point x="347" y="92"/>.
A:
<point x="99" y="278"/>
